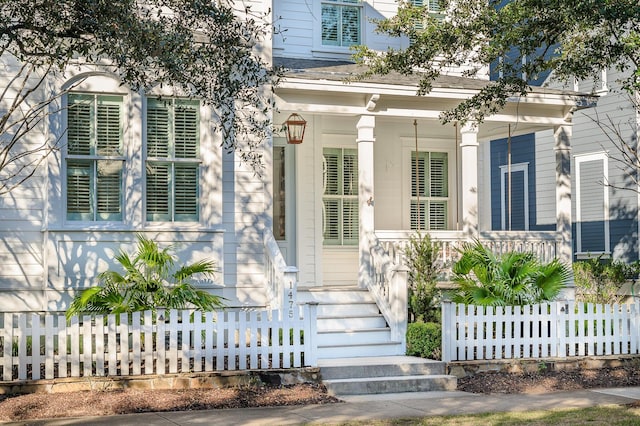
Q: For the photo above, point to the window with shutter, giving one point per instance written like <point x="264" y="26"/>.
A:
<point x="94" y="160"/>
<point x="341" y="22"/>
<point x="340" y="196"/>
<point x="172" y="164"/>
<point x="429" y="190"/>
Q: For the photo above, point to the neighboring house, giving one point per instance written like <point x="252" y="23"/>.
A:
<point x="374" y="157"/>
<point x="605" y="196"/>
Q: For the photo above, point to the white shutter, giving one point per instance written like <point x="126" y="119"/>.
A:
<point x="79" y="190"/>
<point x="418" y="184"/>
<point x="157" y="128"/>
<point x="438" y="171"/>
<point x="186" y="192"/>
<point x="350" y="172"/>
<point x="438" y="215"/>
<point x="186" y="121"/>
<point x="350" y="221"/>
<point x="331" y="172"/>
<point x="108" y="126"/>
<point x="158" y="193"/>
<point x="350" y="25"/>
<point x="331" y="221"/>
<point x="79" y="125"/>
<point x="109" y="190"/>
<point x="330" y="25"/>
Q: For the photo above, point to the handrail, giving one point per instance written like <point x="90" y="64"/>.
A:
<point x="281" y="280"/>
<point x="388" y="286"/>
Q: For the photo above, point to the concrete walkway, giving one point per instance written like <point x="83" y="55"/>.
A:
<point x="367" y="407"/>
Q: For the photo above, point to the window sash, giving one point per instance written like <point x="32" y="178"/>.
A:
<point x="173" y="135"/>
<point x="432" y="186"/>
<point x="94" y="163"/>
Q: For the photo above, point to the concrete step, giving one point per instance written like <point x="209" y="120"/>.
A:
<point x="380" y="367"/>
<point x="351" y="322"/>
<point x="390" y="384"/>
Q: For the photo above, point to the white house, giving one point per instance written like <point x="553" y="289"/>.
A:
<point x="375" y="163"/>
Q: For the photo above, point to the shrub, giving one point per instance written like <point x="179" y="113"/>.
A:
<point x="149" y="282"/>
<point x="511" y="279"/>
<point x="424" y="303"/>
<point x="424" y="339"/>
<point x="598" y="280"/>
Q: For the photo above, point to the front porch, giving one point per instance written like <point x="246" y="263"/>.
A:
<point x="377" y="165"/>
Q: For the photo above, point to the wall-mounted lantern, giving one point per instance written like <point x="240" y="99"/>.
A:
<point x="295" y="128"/>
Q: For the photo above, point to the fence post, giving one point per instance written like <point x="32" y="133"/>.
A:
<point x="290" y="292"/>
<point x="447" y="324"/>
<point x="399" y="305"/>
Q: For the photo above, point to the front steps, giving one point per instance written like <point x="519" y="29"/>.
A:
<point x="375" y="375"/>
<point x="349" y="323"/>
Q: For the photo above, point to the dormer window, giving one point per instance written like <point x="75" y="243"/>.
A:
<point x="341" y="22"/>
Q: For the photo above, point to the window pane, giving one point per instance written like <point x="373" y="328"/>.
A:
<point x="438" y="215"/>
<point x="419" y="215"/>
<point x="157" y="128"/>
<point x="79" y="190"/>
<point x="279" y="193"/>
<point x="418" y="181"/>
<point x="79" y="125"/>
<point x="330" y="25"/>
<point x="350" y="26"/>
<point x="331" y="172"/>
<point x="158" y="201"/>
<point x="186" y="193"/>
<point x="438" y="173"/>
<point x="331" y="221"/>
<point x="109" y="190"/>
<point x="186" y="130"/>
<point x="350" y="221"/>
<point x="350" y="162"/>
<point x="108" y="128"/>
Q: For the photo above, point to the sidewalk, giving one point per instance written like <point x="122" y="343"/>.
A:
<point x="366" y="407"/>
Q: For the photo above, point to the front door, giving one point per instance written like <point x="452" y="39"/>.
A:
<point x="284" y="219"/>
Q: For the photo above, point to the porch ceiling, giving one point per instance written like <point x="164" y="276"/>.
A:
<point x="319" y="87"/>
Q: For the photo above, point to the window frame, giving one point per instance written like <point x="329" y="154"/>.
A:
<point x="427" y="200"/>
<point x="172" y="162"/>
<point x="93" y="158"/>
<point x="341" y="197"/>
<point x="339" y="46"/>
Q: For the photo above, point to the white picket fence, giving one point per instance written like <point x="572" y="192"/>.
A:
<point x="557" y="329"/>
<point x="46" y="346"/>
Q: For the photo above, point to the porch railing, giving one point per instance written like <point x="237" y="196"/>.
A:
<point x="543" y="244"/>
<point x="281" y="280"/>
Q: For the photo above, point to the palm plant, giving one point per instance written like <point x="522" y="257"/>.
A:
<point x="148" y="283"/>
<point x="511" y="279"/>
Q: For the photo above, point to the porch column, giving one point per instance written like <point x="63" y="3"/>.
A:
<point x="366" y="125"/>
<point x="564" y="251"/>
<point x="469" y="177"/>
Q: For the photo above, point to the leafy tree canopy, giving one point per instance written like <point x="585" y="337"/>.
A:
<point x="571" y="38"/>
<point x="206" y="49"/>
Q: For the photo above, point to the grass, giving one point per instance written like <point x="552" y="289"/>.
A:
<point x="609" y="415"/>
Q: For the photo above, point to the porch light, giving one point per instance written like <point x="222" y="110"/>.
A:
<point x="295" y="128"/>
